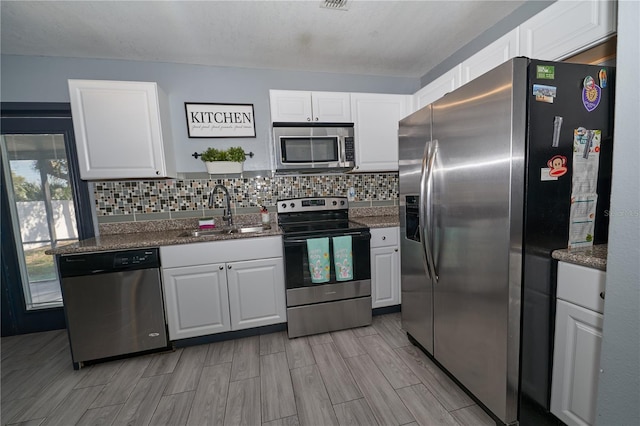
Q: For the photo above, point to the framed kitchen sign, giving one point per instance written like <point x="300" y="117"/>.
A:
<point x="208" y="120"/>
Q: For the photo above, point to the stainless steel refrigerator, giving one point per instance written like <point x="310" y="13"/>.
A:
<point x="480" y="214"/>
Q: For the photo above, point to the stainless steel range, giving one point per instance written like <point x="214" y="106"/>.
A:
<point x="327" y="266"/>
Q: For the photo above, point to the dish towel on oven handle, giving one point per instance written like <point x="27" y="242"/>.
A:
<point x="318" y="255"/>
<point x="343" y="258"/>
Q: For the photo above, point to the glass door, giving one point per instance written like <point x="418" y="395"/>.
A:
<point x="41" y="208"/>
<point x="44" y="205"/>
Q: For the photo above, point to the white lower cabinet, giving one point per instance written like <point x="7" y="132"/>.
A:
<point x="385" y="267"/>
<point x="196" y="300"/>
<point x="204" y="297"/>
<point x="255" y="297"/>
<point x="578" y="339"/>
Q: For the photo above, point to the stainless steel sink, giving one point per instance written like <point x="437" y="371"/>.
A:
<point x="222" y="231"/>
<point x="205" y="232"/>
<point x="247" y="229"/>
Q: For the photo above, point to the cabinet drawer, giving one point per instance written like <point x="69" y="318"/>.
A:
<point x="382" y="237"/>
<point x="581" y="285"/>
<point x="220" y="251"/>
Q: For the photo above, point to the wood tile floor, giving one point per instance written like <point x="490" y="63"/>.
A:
<point x="367" y="376"/>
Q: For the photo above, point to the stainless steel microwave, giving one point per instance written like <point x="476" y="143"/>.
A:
<point x="313" y="147"/>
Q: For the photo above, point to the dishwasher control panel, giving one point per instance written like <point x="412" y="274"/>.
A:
<point x="109" y="261"/>
<point x="135" y="257"/>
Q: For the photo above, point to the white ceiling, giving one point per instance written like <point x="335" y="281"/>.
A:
<point x="391" y="38"/>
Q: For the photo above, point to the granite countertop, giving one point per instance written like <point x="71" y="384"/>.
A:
<point x="151" y="239"/>
<point x="592" y="257"/>
<point x="131" y="235"/>
<point x="378" y="221"/>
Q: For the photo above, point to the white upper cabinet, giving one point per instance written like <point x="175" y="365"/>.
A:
<point x="303" y="106"/>
<point x="498" y="52"/>
<point x="566" y="28"/>
<point x="561" y="30"/>
<point x="375" y="119"/>
<point x="439" y="87"/>
<point x="121" y="129"/>
<point x="331" y="107"/>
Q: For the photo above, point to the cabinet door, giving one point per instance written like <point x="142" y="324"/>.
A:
<point x="385" y="276"/>
<point x="118" y="130"/>
<point x="566" y="28"/>
<point x="376" y="118"/>
<point x="331" y="107"/>
<point x="498" y="52"/>
<point x="439" y="87"/>
<point x="581" y="286"/>
<point x="576" y="364"/>
<point x="196" y="300"/>
<point x="256" y="293"/>
<point x="290" y="105"/>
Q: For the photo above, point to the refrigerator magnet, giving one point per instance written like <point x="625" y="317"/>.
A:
<point x="590" y="94"/>
<point x="546" y="175"/>
<point x="543" y="93"/>
<point x="557" y="125"/>
<point x="602" y="75"/>
<point x="545" y="72"/>
<point x="557" y="166"/>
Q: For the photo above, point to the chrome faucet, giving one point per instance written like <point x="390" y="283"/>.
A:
<point x="226" y="213"/>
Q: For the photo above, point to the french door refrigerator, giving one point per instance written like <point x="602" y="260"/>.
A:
<point x="486" y="181"/>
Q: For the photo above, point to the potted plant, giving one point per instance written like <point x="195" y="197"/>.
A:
<point x="221" y="161"/>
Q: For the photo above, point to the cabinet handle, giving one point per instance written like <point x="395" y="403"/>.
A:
<point x="157" y="172"/>
<point x="229" y="266"/>
<point x="602" y="295"/>
<point x="308" y="118"/>
<point x="395" y="250"/>
<point x="317" y="119"/>
<point x="221" y="268"/>
<point x="384" y="238"/>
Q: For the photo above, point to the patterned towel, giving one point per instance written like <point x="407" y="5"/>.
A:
<point x="343" y="258"/>
<point x="318" y="254"/>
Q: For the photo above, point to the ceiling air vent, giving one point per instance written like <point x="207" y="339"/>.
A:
<point x="334" y="4"/>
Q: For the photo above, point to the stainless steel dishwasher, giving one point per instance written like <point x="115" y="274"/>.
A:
<point x="113" y="303"/>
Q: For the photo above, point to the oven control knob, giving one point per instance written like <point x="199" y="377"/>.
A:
<point x="284" y="205"/>
<point x="335" y="203"/>
<point x="292" y="205"/>
<point x="342" y="203"/>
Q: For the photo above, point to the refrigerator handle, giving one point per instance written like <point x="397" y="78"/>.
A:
<point x="421" y="209"/>
<point x="428" y="229"/>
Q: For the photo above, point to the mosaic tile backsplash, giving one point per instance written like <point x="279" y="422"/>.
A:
<point x="190" y="196"/>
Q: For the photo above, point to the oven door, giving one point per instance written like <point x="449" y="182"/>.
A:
<point x="302" y="291"/>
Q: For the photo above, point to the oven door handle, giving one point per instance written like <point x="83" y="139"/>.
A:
<point x="304" y="240"/>
<point x="294" y="241"/>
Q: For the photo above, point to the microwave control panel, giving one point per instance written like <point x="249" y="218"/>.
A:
<point x="349" y="149"/>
